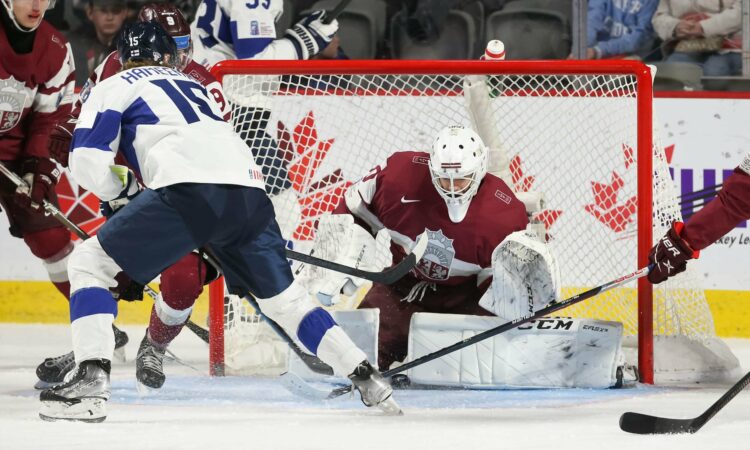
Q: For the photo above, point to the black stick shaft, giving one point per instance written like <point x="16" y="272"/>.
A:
<point x="334" y="13"/>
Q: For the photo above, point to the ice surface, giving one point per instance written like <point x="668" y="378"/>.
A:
<point x="194" y="411"/>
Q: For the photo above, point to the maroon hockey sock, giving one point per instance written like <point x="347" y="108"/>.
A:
<point x="161" y="334"/>
<point x="64" y="288"/>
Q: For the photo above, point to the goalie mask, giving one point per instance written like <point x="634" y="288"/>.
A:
<point x="458" y="163"/>
<point x="174" y="23"/>
<point x="8" y="4"/>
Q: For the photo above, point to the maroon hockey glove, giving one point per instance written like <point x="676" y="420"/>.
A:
<point x="60" y="138"/>
<point x="41" y="175"/>
<point x="670" y="255"/>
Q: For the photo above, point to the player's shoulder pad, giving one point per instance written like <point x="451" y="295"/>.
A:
<point x="409" y="159"/>
<point x="500" y="191"/>
<point x="53" y="48"/>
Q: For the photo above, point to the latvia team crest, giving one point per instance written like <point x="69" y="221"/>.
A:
<point x="12" y="102"/>
<point x="437" y="259"/>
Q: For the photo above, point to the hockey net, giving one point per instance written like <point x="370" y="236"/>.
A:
<point x="580" y="133"/>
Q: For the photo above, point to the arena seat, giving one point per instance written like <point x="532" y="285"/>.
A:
<point x="532" y="29"/>
<point x="457" y="39"/>
<point x="677" y="76"/>
<point x="361" y="26"/>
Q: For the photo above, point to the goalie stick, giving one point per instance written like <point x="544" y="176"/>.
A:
<point x="296" y="384"/>
<point x="637" y="423"/>
<point x="388" y="276"/>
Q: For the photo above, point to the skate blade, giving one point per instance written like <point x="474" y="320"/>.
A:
<point x="119" y="354"/>
<point x="93" y="410"/>
<point x="42" y="385"/>
<point x="390" y="407"/>
<point x="146" y="391"/>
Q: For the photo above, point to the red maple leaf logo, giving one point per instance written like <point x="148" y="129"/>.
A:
<point x="524" y="183"/>
<point x="605" y="208"/>
<point x="304" y="152"/>
<point x="78" y="205"/>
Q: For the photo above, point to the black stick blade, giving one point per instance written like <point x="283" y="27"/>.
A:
<point x="644" y="424"/>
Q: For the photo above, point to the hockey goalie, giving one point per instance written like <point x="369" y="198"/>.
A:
<point x="483" y="260"/>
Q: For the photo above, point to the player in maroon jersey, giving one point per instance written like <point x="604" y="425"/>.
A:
<point x="181" y="283"/>
<point x="466" y="214"/>
<point x="685" y="241"/>
<point x="36" y="91"/>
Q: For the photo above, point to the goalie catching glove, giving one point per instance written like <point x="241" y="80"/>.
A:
<point x="525" y="275"/>
<point x="340" y="240"/>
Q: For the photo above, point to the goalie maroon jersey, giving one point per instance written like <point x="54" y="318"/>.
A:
<point x="400" y="197"/>
<point x="36" y="91"/>
<point x="111" y="66"/>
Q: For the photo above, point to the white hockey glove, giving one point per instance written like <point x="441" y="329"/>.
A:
<point x="310" y="35"/>
<point x="130" y="190"/>
<point x="340" y="240"/>
<point x="525" y="279"/>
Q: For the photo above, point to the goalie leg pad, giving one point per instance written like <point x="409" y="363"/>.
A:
<point x="546" y="353"/>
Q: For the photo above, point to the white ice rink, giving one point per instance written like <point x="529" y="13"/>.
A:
<point x="194" y="411"/>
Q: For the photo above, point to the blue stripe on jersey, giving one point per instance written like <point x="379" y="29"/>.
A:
<point x="101" y="134"/>
<point x="313" y="327"/>
<point x="89" y="301"/>
<point x="138" y="113"/>
<point x="205" y="23"/>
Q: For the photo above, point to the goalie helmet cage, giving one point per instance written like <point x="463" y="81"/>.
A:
<point x="578" y="132"/>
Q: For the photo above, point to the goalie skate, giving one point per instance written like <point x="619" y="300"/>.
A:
<point x="374" y="390"/>
<point x="149" y="370"/>
<point x="82" y="398"/>
<point x="53" y="370"/>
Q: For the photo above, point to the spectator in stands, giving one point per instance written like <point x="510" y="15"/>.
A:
<point x="94" y="40"/>
<point x="703" y="33"/>
<point x="619" y="28"/>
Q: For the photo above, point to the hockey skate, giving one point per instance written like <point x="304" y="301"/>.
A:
<point x="149" y="371"/>
<point x="53" y="370"/>
<point x="373" y="388"/>
<point x="83" y="397"/>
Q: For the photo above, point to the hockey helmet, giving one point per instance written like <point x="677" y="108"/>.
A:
<point x="8" y="4"/>
<point x="174" y="23"/>
<point x="146" y="41"/>
<point x="458" y="163"/>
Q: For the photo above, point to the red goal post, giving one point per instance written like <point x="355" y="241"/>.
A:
<point x="402" y="95"/>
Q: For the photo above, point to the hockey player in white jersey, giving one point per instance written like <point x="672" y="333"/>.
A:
<point x="242" y="29"/>
<point x="203" y="191"/>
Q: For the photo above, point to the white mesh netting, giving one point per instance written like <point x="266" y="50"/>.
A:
<point x="572" y="138"/>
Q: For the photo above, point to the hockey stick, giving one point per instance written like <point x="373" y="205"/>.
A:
<point x="387" y="276"/>
<point x="331" y="16"/>
<point x="52" y="210"/>
<point x="644" y="424"/>
<point x="549" y="309"/>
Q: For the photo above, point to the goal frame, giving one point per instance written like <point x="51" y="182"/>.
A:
<point x="644" y="116"/>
